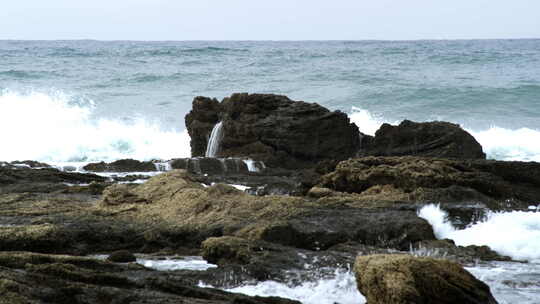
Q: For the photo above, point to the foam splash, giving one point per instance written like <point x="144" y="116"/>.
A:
<point x="339" y="289"/>
<point x="515" y="234"/>
<point x="48" y="128"/>
<point x="504" y="144"/>
<point x="366" y="122"/>
<point x="171" y="264"/>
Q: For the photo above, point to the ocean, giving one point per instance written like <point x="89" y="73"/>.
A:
<point x="75" y="102"/>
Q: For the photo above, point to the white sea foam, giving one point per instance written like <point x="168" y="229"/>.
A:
<point x="504" y="144"/>
<point x="511" y="283"/>
<point x="366" y="122"/>
<point x="46" y="127"/>
<point x="171" y="264"/>
<point x="516" y="234"/>
<point x="339" y="289"/>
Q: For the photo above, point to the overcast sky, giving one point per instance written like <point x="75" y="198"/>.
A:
<point x="268" y="20"/>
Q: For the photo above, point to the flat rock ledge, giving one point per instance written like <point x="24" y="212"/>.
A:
<point x="404" y="279"/>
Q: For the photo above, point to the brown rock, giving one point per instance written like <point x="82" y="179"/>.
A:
<point x="404" y="279"/>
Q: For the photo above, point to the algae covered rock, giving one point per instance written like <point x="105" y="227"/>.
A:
<point x="497" y="184"/>
<point x="197" y="213"/>
<point x="404" y="279"/>
<point x="218" y="250"/>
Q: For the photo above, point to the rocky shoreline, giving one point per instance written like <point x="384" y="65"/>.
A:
<point x="292" y="184"/>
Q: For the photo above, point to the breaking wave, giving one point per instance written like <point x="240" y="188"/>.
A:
<point x="515" y="234"/>
<point x="50" y="128"/>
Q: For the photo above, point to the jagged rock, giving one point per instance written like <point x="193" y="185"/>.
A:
<point x="31" y="164"/>
<point x="273" y="129"/>
<point x="24" y="179"/>
<point x="122" y="165"/>
<point x="462" y="254"/>
<point x="38" y="278"/>
<point x="432" y="139"/>
<point x="401" y="279"/>
<point x="495" y="184"/>
<point x="295" y="221"/>
<point x="121" y="256"/>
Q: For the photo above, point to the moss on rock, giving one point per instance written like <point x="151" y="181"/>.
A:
<point x="404" y="279"/>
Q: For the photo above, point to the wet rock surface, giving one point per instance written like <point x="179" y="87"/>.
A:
<point x="430" y="139"/>
<point x="273" y="129"/>
<point x="398" y="279"/>
<point x="26" y="179"/>
<point x="38" y="278"/>
<point x="122" y="165"/>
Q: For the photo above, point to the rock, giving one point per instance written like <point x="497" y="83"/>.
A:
<point x="15" y="179"/>
<point x="432" y="139"/>
<point x="121" y="256"/>
<point x="447" y="249"/>
<point x="400" y="279"/>
<point x="496" y="184"/>
<point x="211" y="166"/>
<point x="122" y="165"/>
<point x="38" y="278"/>
<point x="273" y="129"/>
<point x="226" y="249"/>
<point x="219" y="210"/>
<point x="121" y="194"/>
<point x="31" y="164"/>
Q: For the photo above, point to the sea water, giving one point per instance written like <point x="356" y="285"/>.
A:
<point x="72" y="102"/>
<point x="69" y="101"/>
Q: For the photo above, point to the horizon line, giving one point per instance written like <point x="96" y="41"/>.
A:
<point x="273" y="40"/>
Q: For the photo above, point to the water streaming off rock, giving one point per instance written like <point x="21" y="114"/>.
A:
<point x="214" y="141"/>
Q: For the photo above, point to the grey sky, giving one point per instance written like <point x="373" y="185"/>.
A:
<point x="268" y="20"/>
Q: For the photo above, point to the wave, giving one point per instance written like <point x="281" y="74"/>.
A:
<point x="498" y="143"/>
<point x="339" y="289"/>
<point x="52" y="128"/>
<point x="515" y="234"/>
<point x="21" y="74"/>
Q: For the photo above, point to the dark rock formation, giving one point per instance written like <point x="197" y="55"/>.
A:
<point x="433" y="139"/>
<point x="400" y="279"/>
<point x="121" y="256"/>
<point x="122" y="165"/>
<point x="273" y="129"/>
<point x="462" y="254"/>
<point x="495" y="184"/>
<point x="25" y="179"/>
<point x="38" y="278"/>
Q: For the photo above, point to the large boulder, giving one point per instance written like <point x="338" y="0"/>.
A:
<point x="273" y="129"/>
<point x="403" y="279"/>
<point x="433" y="139"/>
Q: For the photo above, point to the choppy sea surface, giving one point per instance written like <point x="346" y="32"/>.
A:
<point x="92" y="100"/>
<point x="79" y="101"/>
